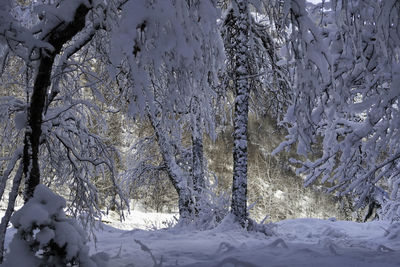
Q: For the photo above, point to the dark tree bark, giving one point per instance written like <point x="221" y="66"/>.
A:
<point x="61" y="34"/>
<point x="242" y="89"/>
<point x="29" y="167"/>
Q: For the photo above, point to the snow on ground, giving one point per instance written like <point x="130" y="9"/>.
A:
<point x="298" y="242"/>
<point x="139" y="219"/>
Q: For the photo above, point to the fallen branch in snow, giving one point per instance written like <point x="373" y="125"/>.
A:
<point x="119" y="252"/>
<point x="384" y="249"/>
<point x="224" y="247"/>
<point x="278" y="242"/>
<point x="393" y="232"/>
<point x="266" y="229"/>
<point x="146" y="249"/>
<point x="328" y="243"/>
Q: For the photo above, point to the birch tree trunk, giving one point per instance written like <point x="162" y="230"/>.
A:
<point x="242" y="89"/>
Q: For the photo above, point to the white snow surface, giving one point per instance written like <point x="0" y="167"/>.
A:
<point x="299" y="242"/>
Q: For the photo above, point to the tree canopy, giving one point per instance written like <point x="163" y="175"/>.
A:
<point x="329" y="73"/>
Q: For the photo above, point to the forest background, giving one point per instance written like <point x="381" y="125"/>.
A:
<point x="104" y="102"/>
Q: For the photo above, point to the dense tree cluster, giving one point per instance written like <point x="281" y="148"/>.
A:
<point x="329" y="73"/>
<point x="345" y="98"/>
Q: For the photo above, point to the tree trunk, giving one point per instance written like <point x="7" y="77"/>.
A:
<point x="60" y="34"/>
<point x="10" y="209"/>
<point x="185" y="204"/>
<point x="177" y="176"/>
<point x="242" y="88"/>
<point x="197" y="153"/>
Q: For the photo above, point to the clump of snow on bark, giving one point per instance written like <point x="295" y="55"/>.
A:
<point x="46" y="237"/>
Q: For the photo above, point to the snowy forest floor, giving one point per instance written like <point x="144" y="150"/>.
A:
<point x="299" y="242"/>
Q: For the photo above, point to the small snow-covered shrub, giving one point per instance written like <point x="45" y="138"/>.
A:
<point x="45" y="236"/>
<point x="213" y="208"/>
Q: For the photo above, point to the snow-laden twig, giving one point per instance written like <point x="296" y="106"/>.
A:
<point x="146" y="249"/>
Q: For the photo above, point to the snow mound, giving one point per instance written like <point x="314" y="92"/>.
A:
<point x="46" y="237"/>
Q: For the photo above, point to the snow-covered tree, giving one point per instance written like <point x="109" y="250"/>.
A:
<point x="241" y="18"/>
<point x="171" y="52"/>
<point x="346" y="72"/>
<point x="48" y="114"/>
<point x="256" y="79"/>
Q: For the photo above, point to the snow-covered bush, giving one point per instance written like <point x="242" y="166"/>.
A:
<point x="213" y="207"/>
<point x="46" y="237"/>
